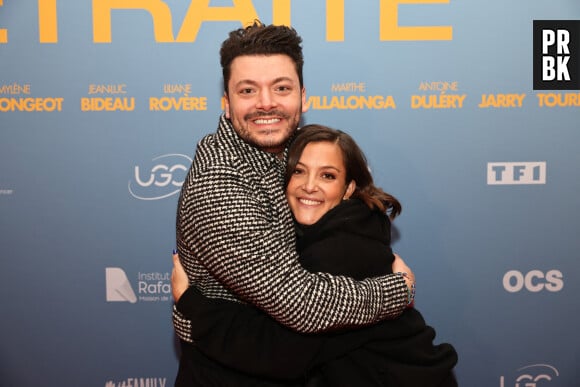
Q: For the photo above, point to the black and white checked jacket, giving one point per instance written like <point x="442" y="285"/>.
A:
<point x="236" y="240"/>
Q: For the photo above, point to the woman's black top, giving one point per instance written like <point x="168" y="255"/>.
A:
<point x="252" y="349"/>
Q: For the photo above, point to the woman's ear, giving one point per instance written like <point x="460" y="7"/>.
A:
<point x="349" y="190"/>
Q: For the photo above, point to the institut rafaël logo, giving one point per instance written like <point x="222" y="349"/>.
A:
<point x="556" y="54"/>
<point x="533" y="375"/>
<point x="150" y="286"/>
<point x="119" y="288"/>
<point x="160" y="178"/>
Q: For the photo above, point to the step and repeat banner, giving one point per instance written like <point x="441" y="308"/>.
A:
<point x="468" y="111"/>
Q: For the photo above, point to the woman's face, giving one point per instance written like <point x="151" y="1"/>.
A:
<point x="318" y="182"/>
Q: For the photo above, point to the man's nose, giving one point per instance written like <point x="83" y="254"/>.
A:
<point x="266" y="100"/>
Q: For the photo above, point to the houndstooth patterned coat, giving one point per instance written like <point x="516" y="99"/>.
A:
<point x="235" y="237"/>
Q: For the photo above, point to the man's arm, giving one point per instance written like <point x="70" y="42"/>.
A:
<point x="241" y="336"/>
<point x="243" y="238"/>
<point x="244" y="338"/>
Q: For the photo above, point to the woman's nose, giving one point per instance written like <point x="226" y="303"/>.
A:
<point x="309" y="184"/>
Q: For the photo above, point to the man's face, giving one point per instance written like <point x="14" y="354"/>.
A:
<point x="264" y="100"/>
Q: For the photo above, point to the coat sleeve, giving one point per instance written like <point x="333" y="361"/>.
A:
<point x="248" y="340"/>
<point x="232" y="228"/>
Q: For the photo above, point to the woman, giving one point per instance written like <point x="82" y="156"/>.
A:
<point x="343" y="228"/>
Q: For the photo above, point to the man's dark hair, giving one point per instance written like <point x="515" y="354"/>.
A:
<point x="260" y="39"/>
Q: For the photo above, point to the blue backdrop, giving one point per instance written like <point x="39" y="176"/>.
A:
<point x="102" y="103"/>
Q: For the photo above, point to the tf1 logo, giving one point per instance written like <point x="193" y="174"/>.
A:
<point x="556" y="54"/>
<point x="523" y="172"/>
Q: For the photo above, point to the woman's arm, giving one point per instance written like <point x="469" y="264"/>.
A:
<point x="245" y="338"/>
<point x="241" y="336"/>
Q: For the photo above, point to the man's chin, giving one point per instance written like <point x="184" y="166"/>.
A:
<point x="271" y="147"/>
<point x="273" y="137"/>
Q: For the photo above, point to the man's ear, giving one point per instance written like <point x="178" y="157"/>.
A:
<point x="349" y="190"/>
<point x="226" y="105"/>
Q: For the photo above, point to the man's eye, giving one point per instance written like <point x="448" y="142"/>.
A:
<point x="246" y="91"/>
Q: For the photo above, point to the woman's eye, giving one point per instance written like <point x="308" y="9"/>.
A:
<point x="328" y="176"/>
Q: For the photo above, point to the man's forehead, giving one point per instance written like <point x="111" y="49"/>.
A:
<point x="273" y="63"/>
<point x="253" y="69"/>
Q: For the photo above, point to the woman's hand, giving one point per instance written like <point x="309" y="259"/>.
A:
<point x="399" y="266"/>
<point x="179" y="280"/>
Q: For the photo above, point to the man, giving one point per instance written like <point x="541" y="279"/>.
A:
<point x="235" y="233"/>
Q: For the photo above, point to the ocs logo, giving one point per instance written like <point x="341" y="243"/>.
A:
<point x="161" y="178"/>
<point x="533" y="281"/>
<point x="534" y="375"/>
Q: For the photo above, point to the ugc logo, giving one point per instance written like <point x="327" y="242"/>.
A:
<point x="161" y="178"/>
<point x="533" y="375"/>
